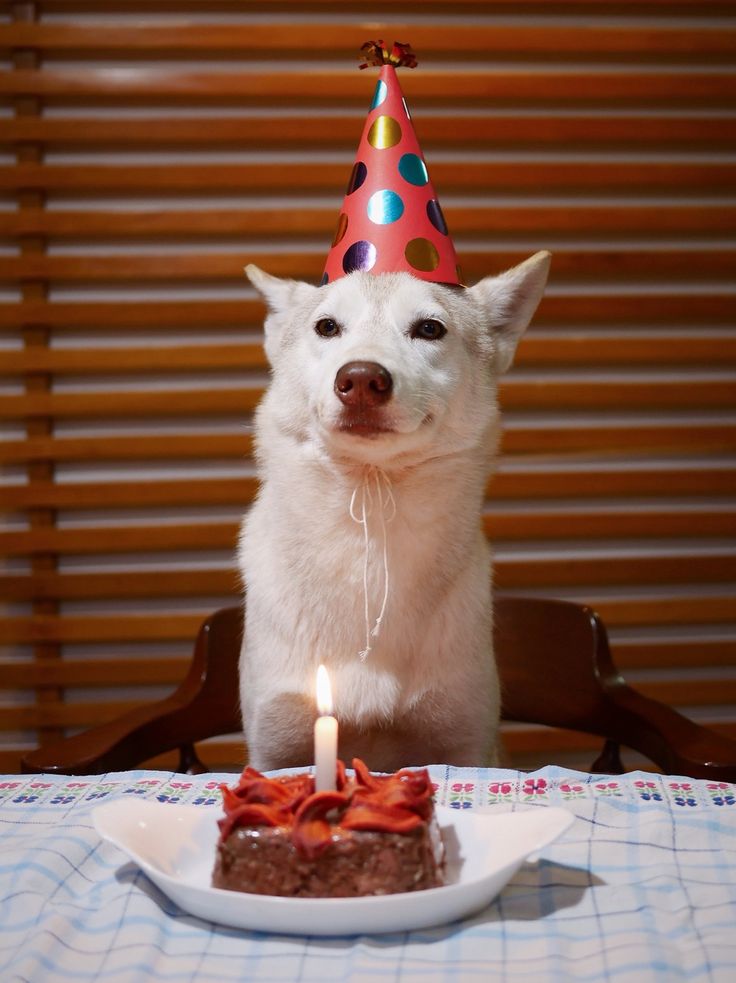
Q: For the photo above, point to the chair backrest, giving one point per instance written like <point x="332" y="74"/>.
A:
<point x="555" y="669"/>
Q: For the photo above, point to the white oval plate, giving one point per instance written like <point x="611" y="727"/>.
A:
<point x="175" y="847"/>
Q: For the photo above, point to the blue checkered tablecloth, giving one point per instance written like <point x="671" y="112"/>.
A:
<point x="641" y="887"/>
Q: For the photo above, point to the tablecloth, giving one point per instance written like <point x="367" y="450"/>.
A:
<point x="641" y="887"/>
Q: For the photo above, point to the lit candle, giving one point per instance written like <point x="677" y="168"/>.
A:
<point x="325" y="736"/>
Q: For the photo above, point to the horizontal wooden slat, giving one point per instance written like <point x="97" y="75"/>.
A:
<point x="598" y="523"/>
<point x="590" y="311"/>
<point x="83" y="673"/>
<point x="694" y="609"/>
<point x="670" y="567"/>
<point x="138" y="494"/>
<point x="593" y="437"/>
<point x="462" y="176"/>
<point x="163" y="315"/>
<point x="262" y="40"/>
<point x="647" y="220"/>
<point x="609" y="523"/>
<point x="140" y="584"/>
<point x="655" y="393"/>
<point x="690" y="692"/>
<point x="508" y="484"/>
<point x="131" y="628"/>
<point x="569" y="263"/>
<point x="433" y="130"/>
<point x="674" y="653"/>
<point x="158" y="360"/>
<point x="65" y="714"/>
<point x="621" y="481"/>
<point x="515" y="393"/>
<point x="674" y="308"/>
<point x="127" y="539"/>
<point x="636" y="439"/>
<point x="634" y="89"/>
<point x="132" y="404"/>
<point x="191" y="447"/>
<point x="140" y="448"/>
<point x="655" y="349"/>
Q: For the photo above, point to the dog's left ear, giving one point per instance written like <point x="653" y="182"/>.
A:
<point x="510" y="301"/>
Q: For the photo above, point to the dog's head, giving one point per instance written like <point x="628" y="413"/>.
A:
<point x="390" y="368"/>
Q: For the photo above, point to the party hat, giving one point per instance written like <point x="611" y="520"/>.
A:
<point x="391" y="220"/>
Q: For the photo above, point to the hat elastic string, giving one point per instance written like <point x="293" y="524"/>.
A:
<point x="374" y="482"/>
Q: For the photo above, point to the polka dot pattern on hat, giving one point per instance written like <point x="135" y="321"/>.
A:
<point x="385" y="207"/>
<point x="360" y="256"/>
<point x="434" y="213"/>
<point x="422" y="255"/>
<point x="360" y="172"/>
<point x="385" y="132"/>
<point x="342" y="228"/>
<point x="391" y="219"/>
<point x="379" y="95"/>
<point x="413" y="169"/>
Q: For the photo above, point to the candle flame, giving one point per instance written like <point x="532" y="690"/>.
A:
<point x="324" y="692"/>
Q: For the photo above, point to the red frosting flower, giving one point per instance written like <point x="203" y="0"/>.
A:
<point x="382" y="803"/>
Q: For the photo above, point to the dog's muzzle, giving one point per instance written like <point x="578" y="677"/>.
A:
<point x="363" y="385"/>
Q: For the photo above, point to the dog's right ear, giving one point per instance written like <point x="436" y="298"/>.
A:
<point x="510" y="301"/>
<point x="280" y="295"/>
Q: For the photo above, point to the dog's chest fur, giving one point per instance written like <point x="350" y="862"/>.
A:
<point x="316" y="564"/>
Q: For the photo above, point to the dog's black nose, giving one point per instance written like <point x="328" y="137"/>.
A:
<point x="363" y="384"/>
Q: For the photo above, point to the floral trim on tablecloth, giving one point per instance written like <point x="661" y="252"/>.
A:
<point x="491" y="787"/>
<point x="58" y="791"/>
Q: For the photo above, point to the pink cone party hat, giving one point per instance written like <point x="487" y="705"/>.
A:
<point x="391" y="220"/>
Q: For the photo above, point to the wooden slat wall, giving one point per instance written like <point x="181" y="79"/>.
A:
<point x="150" y="149"/>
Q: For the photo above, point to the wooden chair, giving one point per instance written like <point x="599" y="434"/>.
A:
<point x="555" y="668"/>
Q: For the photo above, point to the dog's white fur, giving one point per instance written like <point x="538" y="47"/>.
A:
<point x="428" y="690"/>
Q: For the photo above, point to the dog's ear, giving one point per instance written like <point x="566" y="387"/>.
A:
<point x="510" y="301"/>
<point x="280" y="295"/>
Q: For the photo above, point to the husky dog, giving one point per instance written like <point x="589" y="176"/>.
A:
<point x="364" y="549"/>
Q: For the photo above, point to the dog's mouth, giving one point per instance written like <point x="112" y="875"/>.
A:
<point x="373" y="427"/>
<point x="361" y="426"/>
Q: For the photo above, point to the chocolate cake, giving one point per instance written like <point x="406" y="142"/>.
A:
<point x="374" y="835"/>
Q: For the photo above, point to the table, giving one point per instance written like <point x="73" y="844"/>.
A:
<point x="641" y="887"/>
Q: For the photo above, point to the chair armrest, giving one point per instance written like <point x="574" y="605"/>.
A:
<point x="204" y="705"/>
<point x="118" y="745"/>
<point x="678" y="745"/>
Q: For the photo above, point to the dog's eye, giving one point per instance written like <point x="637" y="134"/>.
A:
<point x="428" y="330"/>
<point x="327" y="328"/>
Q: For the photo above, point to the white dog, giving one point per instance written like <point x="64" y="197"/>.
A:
<point x="364" y="549"/>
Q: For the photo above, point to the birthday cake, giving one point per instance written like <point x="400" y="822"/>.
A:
<point x="373" y="835"/>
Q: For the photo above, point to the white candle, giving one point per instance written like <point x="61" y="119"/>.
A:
<point x="325" y="736"/>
